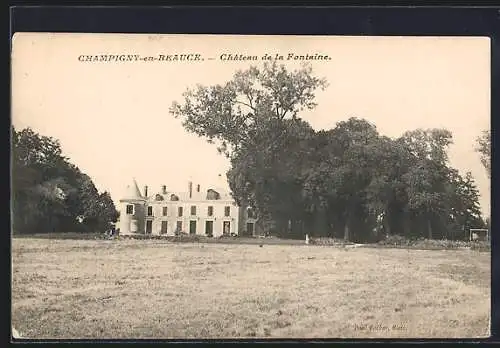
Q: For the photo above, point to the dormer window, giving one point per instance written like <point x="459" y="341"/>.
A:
<point x="212" y="195"/>
<point x="174" y="197"/>
<point x="158" y="197"/>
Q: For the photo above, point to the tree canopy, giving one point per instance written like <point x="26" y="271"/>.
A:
<point x="349" y="181"/>
<point x="483" y="146"/>
<point x="235" y="113"/>
<point x="49" y="193"/>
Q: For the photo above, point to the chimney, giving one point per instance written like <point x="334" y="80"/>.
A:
<point x="198" y="188"/>
<point x="164" y="189"/>
<point x="190" y="189"/>
<point x="145" y="191"/>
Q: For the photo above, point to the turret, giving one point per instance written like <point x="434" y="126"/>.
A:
<point x="132" y="210"/>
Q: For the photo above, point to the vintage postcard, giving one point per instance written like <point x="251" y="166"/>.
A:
<point x="250" y="187"/>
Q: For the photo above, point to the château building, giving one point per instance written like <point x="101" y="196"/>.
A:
<point x="211" y="212"/>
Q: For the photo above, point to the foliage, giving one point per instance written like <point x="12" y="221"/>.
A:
<point x="235" y="113"/>
<point x="347" y="182"/>
<point x="49" y="194"/>
<point x="483" y="144"/>
<point x="433" y="244"/>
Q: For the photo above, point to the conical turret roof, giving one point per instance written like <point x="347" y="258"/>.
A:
<point x="132" y="192"/>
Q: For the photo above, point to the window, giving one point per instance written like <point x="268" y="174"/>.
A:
<point x="192" y="227"/>
<point x="165" y="211"/>
<point x="226" y="229"/>
<point x="179" y="226"/>
<point x="212" y="195"/>
<point x="150" y="211"/>
<point x="193" y="210"/>
<point x="210" y="211"/>
<point x="130" y="209"/>
<point x="227" y="211"/>
<point x="179" y="211"/>
<point x="164" y="227"/>
<point x="174" y="197"/>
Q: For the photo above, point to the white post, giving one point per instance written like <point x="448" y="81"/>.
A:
<point x="307" y="239"/>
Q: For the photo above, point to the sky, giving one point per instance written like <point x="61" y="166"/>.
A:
<point x="112" y="117"/>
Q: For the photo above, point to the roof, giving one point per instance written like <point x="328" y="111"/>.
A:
<point x="196" y="196"/>
<point x="132" y="192"/>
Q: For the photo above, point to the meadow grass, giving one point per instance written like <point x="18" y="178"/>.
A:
<point x="156" y="289"/>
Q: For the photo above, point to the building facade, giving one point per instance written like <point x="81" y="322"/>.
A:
<point x="211" y="212"/>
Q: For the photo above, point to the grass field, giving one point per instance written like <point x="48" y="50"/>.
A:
<point x="155" y="289"/>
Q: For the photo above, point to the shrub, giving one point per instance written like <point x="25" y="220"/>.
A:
<point x="422" y="243"/>
<point x="185" y="238"/>
<point x="395" y="240"/>
<point x="327" y="241"/>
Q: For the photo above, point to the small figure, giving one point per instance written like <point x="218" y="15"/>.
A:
<point x="307" y="239"/>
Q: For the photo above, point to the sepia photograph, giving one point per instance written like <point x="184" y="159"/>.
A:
<point x="196" y="186"/>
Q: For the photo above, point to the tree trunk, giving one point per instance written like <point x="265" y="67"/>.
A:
<point x="387" y="225"/>
<point x="319" y="223"/>
<point x="465" y="225"/>
<point x="296" y="230"/>
<point x="406" y="225"/>
<point x="429" y="228"/>
<point x="346" y="231"/>
<point x="259" y="226"/>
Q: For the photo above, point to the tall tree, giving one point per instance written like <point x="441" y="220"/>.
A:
<point x="426" y="178"/>
<point x="354" y="173"/>
<point x="268" y="176"/>
<point x="483" y="146"/>
<point x="342" y="174"/>
<point x="386" y="193"/>
<point x="48" y="192"/>
<point x="234" y="113"/>
<point x="464" y="208"/>
<point x="35" y="187"/>
<point x="254" y="120"/>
